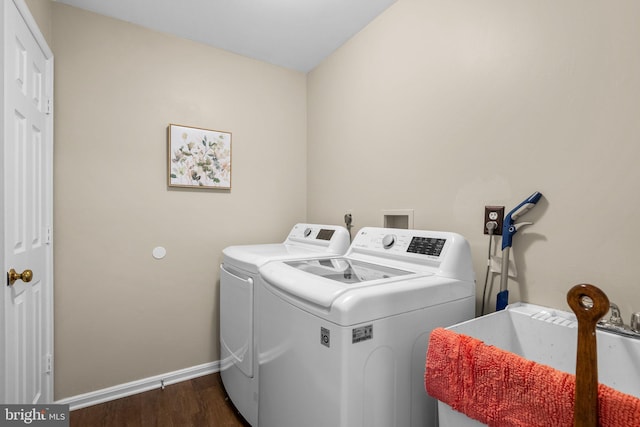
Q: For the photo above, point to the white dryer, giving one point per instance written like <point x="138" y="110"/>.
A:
<point x="343" y="340"/>
<point x="238" y="307"/>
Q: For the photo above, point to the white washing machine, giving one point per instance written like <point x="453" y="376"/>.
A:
<point x="343" y="340"/>
<point x="238" y="307"/>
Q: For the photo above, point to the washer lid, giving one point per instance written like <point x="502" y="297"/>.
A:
<point x="345" y="270"/>
<point x="321" y="285"/>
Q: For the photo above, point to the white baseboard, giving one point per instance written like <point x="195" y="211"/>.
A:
<point x="139" y="386"/>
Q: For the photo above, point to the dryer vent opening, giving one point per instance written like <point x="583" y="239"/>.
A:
<point x="398" y="218"/>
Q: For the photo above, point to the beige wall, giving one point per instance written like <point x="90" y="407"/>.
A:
<point x="121" y="315"/>
<point x="447" y="106"/>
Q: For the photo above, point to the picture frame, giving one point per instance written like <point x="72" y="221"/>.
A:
<point x="198" y="158"/>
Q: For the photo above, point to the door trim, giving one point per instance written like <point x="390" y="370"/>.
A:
<point x="33" y="27"/>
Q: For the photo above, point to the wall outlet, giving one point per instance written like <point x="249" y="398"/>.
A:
<point x="493" y="213"/>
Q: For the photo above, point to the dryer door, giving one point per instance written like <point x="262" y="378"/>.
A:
<point x="236" y="321"/>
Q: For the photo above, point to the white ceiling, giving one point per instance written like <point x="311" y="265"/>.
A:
<point x="296" y="34"/>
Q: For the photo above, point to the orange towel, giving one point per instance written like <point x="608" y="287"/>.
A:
<point x="502" y="389"/>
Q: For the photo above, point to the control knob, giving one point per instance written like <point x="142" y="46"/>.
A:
<point x="307" y="232"/>
<point x="388" y="241"/>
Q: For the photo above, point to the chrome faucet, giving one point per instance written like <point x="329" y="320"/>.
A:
<point x="635" y="322"/>
<point x="615" y="319"/>
<point x="616" y="325"/>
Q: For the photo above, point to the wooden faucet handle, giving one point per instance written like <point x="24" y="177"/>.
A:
<point x="589" y="304"/>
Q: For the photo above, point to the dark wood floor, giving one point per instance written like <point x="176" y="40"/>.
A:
<point x="199" y="402"/>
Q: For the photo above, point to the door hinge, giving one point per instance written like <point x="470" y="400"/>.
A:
<point x="48" y="236"/>
<point x="49" y="364"/>
<point x="49" y="106"/>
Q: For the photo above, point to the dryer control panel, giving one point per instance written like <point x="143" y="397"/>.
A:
<point x="330" y="236"/>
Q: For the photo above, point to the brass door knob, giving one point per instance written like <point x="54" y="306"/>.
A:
<point x="12" y="276"/>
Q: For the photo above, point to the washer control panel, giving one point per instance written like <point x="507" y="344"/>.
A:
<point x="410" y="243"/>
<point x="419" y="245"/>
<point x="439" y="252"/>
<point x="426" y="245"/>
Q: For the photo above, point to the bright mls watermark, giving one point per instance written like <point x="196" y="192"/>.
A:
<point x="34" y="415"/>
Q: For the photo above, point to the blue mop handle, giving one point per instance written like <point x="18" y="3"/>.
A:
<point x="509" y="228"/>
<point x="502" y="300"/>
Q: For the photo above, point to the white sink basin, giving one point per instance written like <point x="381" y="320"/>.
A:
<point x="549" y="336"/>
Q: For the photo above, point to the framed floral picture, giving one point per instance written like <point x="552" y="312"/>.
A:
<point x="199" y="158"/>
